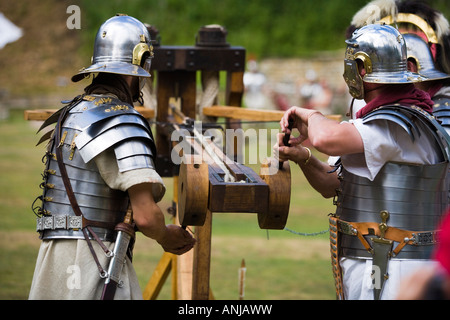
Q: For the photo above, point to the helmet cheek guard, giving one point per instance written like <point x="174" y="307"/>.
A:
<point x="146" y="64"/>
<point x="353" y="79"/>
<point x="352" y="76"/>
<point x="142" y="57"/>
<point x="141" y="53"/>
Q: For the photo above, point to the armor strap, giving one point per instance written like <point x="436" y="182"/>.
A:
<point x="337" y="272"/>
<point x="86" y="224"/>
<point x="403" y="237"/>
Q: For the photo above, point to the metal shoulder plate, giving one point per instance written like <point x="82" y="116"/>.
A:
<point x="406" y="118"/>
<point x="55" y="116"/>
<point x="105" y="122"/>
<point x="441" y="109"/>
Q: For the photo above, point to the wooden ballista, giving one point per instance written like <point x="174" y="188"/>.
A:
<point x="216" y="183"/>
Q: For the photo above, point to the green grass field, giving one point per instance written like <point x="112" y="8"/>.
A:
<point x="280" y="265"/>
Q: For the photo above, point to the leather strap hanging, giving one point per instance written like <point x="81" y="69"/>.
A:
<point x="86" y="223"/>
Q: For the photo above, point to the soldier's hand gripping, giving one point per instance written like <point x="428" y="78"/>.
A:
<point x="176" y="240"/>
<point x="299" y="117"/>
<point x="295" y="152"/>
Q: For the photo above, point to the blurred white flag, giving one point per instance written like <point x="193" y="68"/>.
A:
<point x="9" y="32"/>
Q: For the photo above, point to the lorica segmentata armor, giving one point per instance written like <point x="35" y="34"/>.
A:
<point x="94" y="124"/>
<point x="396" y="214"/>
<point x="415" y="196"/>
<point x="441" y="110"/>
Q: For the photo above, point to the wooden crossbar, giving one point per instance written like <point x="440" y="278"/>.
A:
<point x="239" y="113"/>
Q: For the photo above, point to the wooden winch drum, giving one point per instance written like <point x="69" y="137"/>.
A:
<point x="193" y="194"/>
<point x="279" y="182"/>
<point x="199" y="190"/>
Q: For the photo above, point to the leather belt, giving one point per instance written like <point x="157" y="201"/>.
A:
<point x="381" y="248"/>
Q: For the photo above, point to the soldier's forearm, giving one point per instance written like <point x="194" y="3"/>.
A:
<point x="316" y="172"/>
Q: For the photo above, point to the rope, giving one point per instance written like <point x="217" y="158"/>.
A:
<point x="210" y="82"/>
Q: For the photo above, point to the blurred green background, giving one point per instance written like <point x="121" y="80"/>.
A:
<point x="34" y="72"/>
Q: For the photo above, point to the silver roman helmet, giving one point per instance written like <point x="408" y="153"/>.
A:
<point x="122" y="46"/>
<point x="419" y="51"/>
<point x="382" y="50"/>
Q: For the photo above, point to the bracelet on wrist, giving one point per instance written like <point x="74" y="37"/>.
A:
<point x="305" y="162"/>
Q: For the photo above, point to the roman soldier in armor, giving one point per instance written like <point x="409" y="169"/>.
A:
<point x="389" y="183"/>
<point x="427" y="35"/>
<point x="100" y="174"/>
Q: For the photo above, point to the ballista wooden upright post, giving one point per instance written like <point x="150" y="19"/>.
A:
<point x="175" y="69"/>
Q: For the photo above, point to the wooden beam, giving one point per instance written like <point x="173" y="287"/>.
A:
<point x="43" y="114"/>
<point x="39" y="115"/>
<point x="185" y="271"/>
<point x="243" y="113"/>
<point x="250" y="114"/>
<point x="235" y="88"/>
<point x="202" y="261"/>
<point x="159" y="276"/>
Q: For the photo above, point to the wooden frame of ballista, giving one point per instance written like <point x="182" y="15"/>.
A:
<point x="200" y="188"/>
